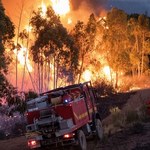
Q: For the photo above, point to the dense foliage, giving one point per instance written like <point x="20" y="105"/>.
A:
<point x="6" y="34"/>
<point x="53" y="46"/>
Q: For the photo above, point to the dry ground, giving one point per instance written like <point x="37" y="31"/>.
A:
<point x="18" y="143"/>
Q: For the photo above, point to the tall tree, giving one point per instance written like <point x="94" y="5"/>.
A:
<point x="139" y="26"/>
<point x="53" y="45"/>
<point x="84" y="35"/>
<point x="6" y="34"/>
<point x="116" y="40"/>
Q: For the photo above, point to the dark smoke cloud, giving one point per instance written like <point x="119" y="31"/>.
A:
<point x="95" y="5"/>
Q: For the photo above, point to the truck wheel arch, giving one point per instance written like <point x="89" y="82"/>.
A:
<point x="82" y="140"/>
<point x="96" y="116"/>
<point x="97" y="123"/>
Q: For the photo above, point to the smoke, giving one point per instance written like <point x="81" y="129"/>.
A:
<point x="95" y="5"/>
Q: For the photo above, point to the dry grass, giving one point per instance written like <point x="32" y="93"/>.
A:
<point x="132" y="112"/>
<point x="129" y="83"/>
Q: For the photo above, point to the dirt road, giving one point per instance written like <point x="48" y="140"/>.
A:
<point x="18" y="143"/>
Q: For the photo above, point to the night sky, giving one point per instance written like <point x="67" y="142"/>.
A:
<point x="131" y="6"/>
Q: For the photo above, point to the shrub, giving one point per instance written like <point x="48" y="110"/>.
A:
<point x="143" y="114"/>
<point x="118" y="119"/>
<point x="2" y="134"/>
<point x="131" y="116"/>
<point x="137" y="128"/>
<point x="18" y="129"/>
<point x="104" y="88"/>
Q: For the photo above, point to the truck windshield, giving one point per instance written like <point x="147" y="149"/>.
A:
<point x="31" y="107"/>
<point x="38" y="103"/>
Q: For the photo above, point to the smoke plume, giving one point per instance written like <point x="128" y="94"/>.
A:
<point x="96" y="5"/>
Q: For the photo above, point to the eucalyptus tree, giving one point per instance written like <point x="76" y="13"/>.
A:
<point x="6" y="35"/>
<point x="53" y="45"/>
<point x="139" y="27"/>
<point x="116" y="41"/>
<point x="84" y="36"/>
<point x="144" y="23"/>
<point x="133" y="30"/>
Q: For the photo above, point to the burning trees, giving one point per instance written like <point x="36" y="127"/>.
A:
<point x="115" y="39"/>
<point x="139" y="27"/>
<point x="53" y="47"/>
<point x="101" y="47"/>
<point x="84" y="35"/>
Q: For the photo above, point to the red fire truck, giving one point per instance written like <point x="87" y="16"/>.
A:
<point x="63" y="116"/>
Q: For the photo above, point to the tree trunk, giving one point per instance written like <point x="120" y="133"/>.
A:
<point x="39" y="78"/>
<point x="19" y="24"/>
<point x="116" y="84"/>
<point x="137" y="48"/>
<point x="142" y="55"/>
<point x="48" y="74"/>
<point x="57" y="74"/>
<point x="81" y="68"/>
<point x="25" y="57"/>
<point x="32" y="81"/>
<point x="54" y="80"/>
<point x="42" y="72"/>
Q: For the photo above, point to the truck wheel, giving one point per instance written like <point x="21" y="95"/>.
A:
<point x="82" y="140"/>
<point x="99" y="129"/>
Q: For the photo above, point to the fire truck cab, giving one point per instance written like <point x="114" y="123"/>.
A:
<point x="63" y="116"/>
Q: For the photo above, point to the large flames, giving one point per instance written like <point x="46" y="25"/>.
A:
<point x="44" y="9"/>
<point x="61" y="7"/>
<point x="23" y="58"/>
<point x="87" y="75"/>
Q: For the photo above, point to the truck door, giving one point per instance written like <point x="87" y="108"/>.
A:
<point x="88" y="100"/>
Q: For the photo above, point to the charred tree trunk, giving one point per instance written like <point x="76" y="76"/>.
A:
<point x="138" y="51"/>
<point x="142" y="55"/>
<point x="54" y="80"/>
<point x="116" y="83"/>
<point x="19" y="24"/>
<point x="42" y="72"/>
<point x="81" y="68"/>
<point x="39" y="77"/>
<point x="48" y="74"/>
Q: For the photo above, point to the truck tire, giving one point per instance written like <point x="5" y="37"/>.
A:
<point x="82" y="140"/>
<point x="99" y="129"/>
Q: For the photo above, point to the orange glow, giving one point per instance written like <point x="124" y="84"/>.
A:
<point x="28" y="28"/>
<point x="44" y="9"/>
<point x="21" y="58"/>
<point x="106" y="70"/>
<point x="69" y="21"/>
<point x="61" y="7"/>
<point x="87" y="75"/>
